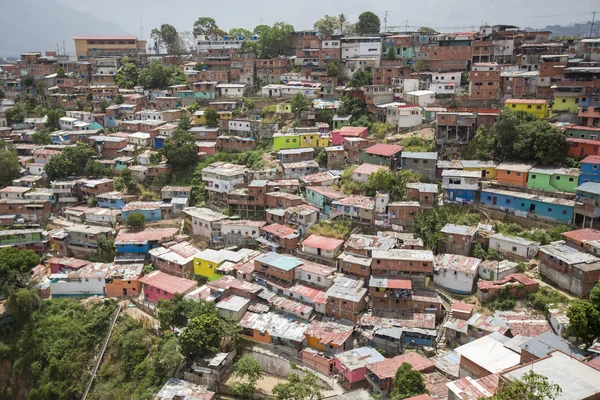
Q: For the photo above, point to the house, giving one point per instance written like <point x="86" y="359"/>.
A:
<point x="380" y="374"/>
<point x="516" y="285"/>
<point x="416" y="265"/>
<point x="326" y="178"/>
<point x="460" y="186"/>
<point x="176" y="389"/>
<point x="296" y="155"/>
<point x="346" y="298"/>
<point x="115" y="200"/>
<point x="571" y="269"/>
<point x="590" y="170"/>
<point x="203" y="222"/>
<point x="424" y="193"/>
<point x="486" y="356"/>
<point x="79" y="240"/>
<point x="88" y="188"/>
<point x="538" y="108"/>
<point x="85" y="281"/>
<point x="61" y="265"/>
<point x="362" y="173"/>
<point x="581" y="238"/>
<point x="124" y="280"/>
<point x="422" y="98"/>
<point x="336" y="158"/>
<point x="352" y="365"/>
<point x="221" y="178"/>
<point x="233" y="308"/>
<point x="273" y="328"/>
<point x="514" y="246"/>
<point x="340" y="121"/>
<point x="339" y="136"/>
<point x="390" y="294"/>
<point x="364" y="245"/>
<point x="487" y="169"/>
<point x="157" y="285"/>
<point x="587" y="203"/>
<point x="278" y="238"/>
<point x="297" y="169"/>
<point x="301" y="217"/>
<point x="208" y="261"/>
<point x="456" y="273"/>
<point x="529" y="205"/>
<point x="382" y="154"/>
<point x="478" y="325"/>
<point x="553" y="179"/>
<point x="543" y="345"/>
<point x="321" y="246"/>
<point x="496" y="270"/>
<point x="29" y="239"/>
<point x="458" y="238"/>
<point x="357" y="207"/>
<point x="14" y="192"/>
<point x="151" y="210"/>
<point x="241" y="233"/>
<point x="468" y="388"/>
<point x="138" y="244"/>
<point x="232" y="90"/>
<point x="576" y="379"/>
<point x="286" y="141"/>
<point x="423" y="163"/>
<point x="581" y="148"/>
<point x="323" y="197"/>
<point x="513" y="174"/>
<point x="462" y="311"/>
<point x="332" y="337"/>
<point x="175" y="259"/>
<point x="277" y="266"/>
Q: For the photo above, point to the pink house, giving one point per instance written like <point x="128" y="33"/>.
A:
<point x="352" y="365"/>
<point x="158" y="285"/>
<point x="57" y="265"/>
<point x="339" y="135"/>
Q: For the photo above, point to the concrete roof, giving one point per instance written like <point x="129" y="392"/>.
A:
<point x="540" y="346"/>
<point x="359" y="358"/>
<point x="489" y="353"/>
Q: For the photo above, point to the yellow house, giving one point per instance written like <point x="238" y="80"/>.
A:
<point x="199" y="118"/>
<point x="283" y="108"/>
<point x="487" y="168"/>
<point x="225" y="114"/>
<point x="565" y="103"/>
<point x="332" y="336"/>
<point x="324" y="140"/>
<point x="309" y="139"/>
<point x="539" y="108"/>
<point x="108" y="45"/>
<point x="206" y="263"/>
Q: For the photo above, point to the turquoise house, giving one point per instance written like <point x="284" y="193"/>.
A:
<point x="322" y="197"/>
<point x="151" y="210"/>
<point x="553" y="179"/>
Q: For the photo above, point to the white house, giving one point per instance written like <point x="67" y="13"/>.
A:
<point x="86" y="281"/>
<point x="67" y="123"/>
<point x="362" y="173"/>
<point x="222" y="177"/>
<point x="315" y="274"/>
<point x="455" y="273"/>
<point x="203" y="221"/>
<point x="492" y="270"/>
<point x="233" y="307"/>
<point x="232" y="90"/>
<point x="361" y="46"/>
<point x="513" y="246"/>
<point x="420" y="97"/>
<point x="322" y="246"/>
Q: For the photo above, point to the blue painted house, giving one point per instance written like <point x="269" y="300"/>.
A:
<point x="115" y="200"/>
<point x="529" y="205"/>
<point x="587" y="208"/>
<point x="322" y="197"/>
<point x="139" y="243"/>
<point x="151" y="210"/>
<point x="590" y="170"/>
<point x="460" y="186"/>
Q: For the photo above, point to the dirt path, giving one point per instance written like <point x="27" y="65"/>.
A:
<point x="139" y="315"/>
<point x="265" y="384"/>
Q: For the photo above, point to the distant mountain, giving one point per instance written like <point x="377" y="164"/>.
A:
<point x="577" y="29"/>
<point x="38" y="25"/>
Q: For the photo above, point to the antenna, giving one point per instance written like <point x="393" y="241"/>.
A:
<point x="385" y="21"/>
<point x="141" y="28"/>
<point x="592" y="25"/>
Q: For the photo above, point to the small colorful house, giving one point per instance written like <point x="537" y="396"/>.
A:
<point x="579" y="148"/>
<point x="536" y="107"/>
<point x="590" y="170"/>
<point x="382" y="154"/>
<point x="553" y="179"/>
<point x="487" y="168"/>
<point x="157" y="285"/>
<point x="151" y="210"/>
<point x="352" y="365"/>
<point x="338" y="136"/>
<point x="460" y="186"/>
<point x="286" y="141"/>
<point x="513" y="174"/>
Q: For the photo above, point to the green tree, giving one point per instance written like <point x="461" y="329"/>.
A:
<point x="584" y="321"/>
<point x="325" y="115"/>
<point x="297" y="388"/>
<point x="27" y="80"/>
<point x="180" y="149"/>
<point x="89" y="97"/>
<point x="172" y="313"/>
<point x="333" y="68"/>
<point x="235" y="32"/>
<point x="368" y="23"/>
<point x="361" y="78"/>
<point x="275" y="40"/>
<point x="103" y="105"/>
<point x="420" y="65"/>
<point x="129" y="181"/>
<point x="53" y="116"/>
<point x="202" y="335"/>
<point x="595" y="296"/>
<point x="9" y="164"/>
<point x="166" y="37"/>
<point x="136" y="220"/>
<point x="15" y="114"/>
<point x="95" y="169"/>
<point x="199" y="66"/>
<point x="60" y="72"/>
<point x="531" y="386"/>
<point x="212" y="117"/>
<point x="206" y="26"/>
<point x="119" y="99"/>
<point x="159" y="76"/>
<point x="394" y="183"/>
<point x="184" y="123"/>
<point x="15" y="267"/>
<point x="127" y="74"/>
<point x="327" y="25"/>
<point x="248" y="370"/>
<point x="70" y="162"/>
<point x="300" y="103"/>
<point x="42" y="137"/>
<point x="22" y="302"/>
<point x="407" y="383"/>
<point x="352" y="106"/>
<point x="342" y="21"/>
<point x="425" y="29"/>
<point x="391" y="53"/>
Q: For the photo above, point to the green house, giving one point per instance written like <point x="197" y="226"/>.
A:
<point x="341" y="120"/>
<point x="286" y="141"/>
<point x="566" y="102"/>
<point x="582" y="132"/>
<point x="553" y="179"/>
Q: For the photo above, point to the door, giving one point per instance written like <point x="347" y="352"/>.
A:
<point x="124" y="292"/>
<point x="318" y="252"/>
<point x="532" y="208"/>
<point x="495" y="200"/>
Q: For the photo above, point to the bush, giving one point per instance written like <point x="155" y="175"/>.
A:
<point x="543" y="297"/>
<point x="136" y="220"/>
<point x="334" y="229"/>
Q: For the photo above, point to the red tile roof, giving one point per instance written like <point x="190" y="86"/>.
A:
<point x="591" y="160"/>
<point x="388" y="367"/>
<point x="462" y="307"/>
<point x="279" y="230"/>
<point x="421" y="397"/>
<point x="368" y="169"/>
<point x="169" y="283"/>
<point x="386" y="150"/>
<point x="517" y="278"/>
<point x="331" y="333"/>
<point x="584" y="141"/>
<point x="353" y="130"/>
<point x="146" y="235"/>
<point x="583" y="235"/>
<point x="322" y="242"/>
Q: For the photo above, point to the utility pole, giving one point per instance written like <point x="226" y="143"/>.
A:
<point x="592" y="25"/>
<point x="385" y="21"/>
<point x="406" y="31"/>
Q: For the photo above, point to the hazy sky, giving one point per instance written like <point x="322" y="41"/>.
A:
<point x="439" y="14"/>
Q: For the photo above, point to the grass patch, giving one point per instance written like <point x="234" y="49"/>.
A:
<point x="334" y="229"/>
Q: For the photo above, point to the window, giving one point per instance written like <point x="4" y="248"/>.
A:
<point x="518" y="174"/>
<point x="508" y="172"/>
<point x="514" y="248"/>
<point x="558" y="178"/>
<point x="549" y="210"/>
<point x="533" y="176"/>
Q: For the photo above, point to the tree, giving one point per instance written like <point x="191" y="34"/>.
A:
<point x="298" y="388"/>
<point x="202" y="335"/>
<point x="119" y="99"/>
<point x="361" y="78"/>
<point x="166" y="37"/>
<point x="27" y="80"/>
<point x="22" y="302"/>
<point x="394" y="183"/>
<point x="180" y="149"/>
<point x="70" y="162"/>
<point x="300" y="103"/>
<point x="342" y="22"/>
<point x="236" y="32"/>
<point x="212" y="117"/>
<point x="60" y="72"/>
<point x="333" y="68"/>
<point x="184" y="123"/>
<point x="2" y="93"/>
<point x="275" y="40"/>
<point x="9" y="164"/>
<point x="595" y="296"/>
<point x="391" y="53"/>
<point x="16" y="114"/>
<point x="321" y="158"/>
<point x="368" y="23"/>
<point x="136" y="220"/>
<point x="352" y="106"/>
<point x="407" y="383"/>
<point x="425" y="29"/>
<point x="531" y="386"/>
<point x="127" y="74"/>
<point x="42" y="137"/>
<point x="260" y="29"/>
<point x="325" y="115"/>
<point x="103" y="105"/>
<point x="327" y="25"/>
<point x="129" y="181"/>
<point x="248" y="370"/>
<point x="584" y="321"/>
<point x="420" y="65"/>
<point x="15" y="267"/>
<point x="95" y="169"/>
<point x="53" y="116"/>
<point x="159" y="76"/>
<point x="205" y="26"/>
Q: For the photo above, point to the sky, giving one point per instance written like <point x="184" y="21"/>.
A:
<point x="442" y="15"/>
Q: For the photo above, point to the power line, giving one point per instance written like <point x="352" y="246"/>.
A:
<point x="592" y="25"/>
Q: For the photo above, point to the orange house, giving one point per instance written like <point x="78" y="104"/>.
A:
<point x="580" y="148"/>
<point x="513" y="174"/>
<point x="274" y="329"/>
<point x="123" y="280"/>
